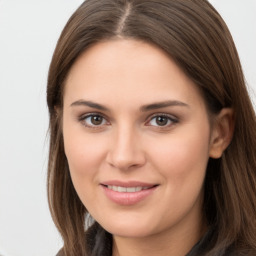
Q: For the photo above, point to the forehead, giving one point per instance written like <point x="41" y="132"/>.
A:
<point x="128" y="71"/>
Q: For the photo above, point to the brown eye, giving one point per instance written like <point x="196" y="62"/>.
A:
<point x="161" y="120"/>
<point x="93" y="120"/>
<point x="96" y="120"/>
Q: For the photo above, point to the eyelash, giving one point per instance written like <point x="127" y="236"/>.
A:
<point x="170" y="119"/>
<point x="83" y="118"/>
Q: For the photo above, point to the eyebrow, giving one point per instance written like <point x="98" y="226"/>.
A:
<point x="89" y="104"/>
<point x="163" y="104"/>
<point x="144" y="108"/>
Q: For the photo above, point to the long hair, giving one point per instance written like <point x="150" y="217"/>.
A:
<point x="198" y="40"/>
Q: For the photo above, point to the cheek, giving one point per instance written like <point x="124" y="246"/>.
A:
<point x="81" y="154"/>
<point x="84" y="154"/>
<point x="84" y="159"/>
<point x="182" y="163"/>
<point x="183" y="158"/>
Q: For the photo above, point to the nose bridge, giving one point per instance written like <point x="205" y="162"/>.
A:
<point x="126" y="150"/>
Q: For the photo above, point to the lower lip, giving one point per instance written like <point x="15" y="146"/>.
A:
<point x="126" y="198"/>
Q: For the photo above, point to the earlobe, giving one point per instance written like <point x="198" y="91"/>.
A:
<point x="222" y="132"/>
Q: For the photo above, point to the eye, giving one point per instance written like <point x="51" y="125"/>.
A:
<point x="93" y="120"/>
<point x="162" y="120"/>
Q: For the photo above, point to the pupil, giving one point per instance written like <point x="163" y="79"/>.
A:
<point x="96" y="120"/>
<point x="161" y="120"/>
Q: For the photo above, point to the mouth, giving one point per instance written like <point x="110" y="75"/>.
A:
<point x="128" y="193"/>
<point x="128" y="189"/>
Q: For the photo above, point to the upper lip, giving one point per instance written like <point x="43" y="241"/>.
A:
<point x="127" y="183"/>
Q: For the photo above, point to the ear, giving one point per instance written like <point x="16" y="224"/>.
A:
<point x="222" y="132"/>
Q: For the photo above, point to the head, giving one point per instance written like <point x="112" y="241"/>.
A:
<point x="193" y="40"/>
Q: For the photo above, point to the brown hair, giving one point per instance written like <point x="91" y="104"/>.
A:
<point x="198" y="40"/>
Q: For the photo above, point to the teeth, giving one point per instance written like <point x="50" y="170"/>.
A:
<point x="121" y="189"/>
<point x="126" y="189"/>
<point x="130" y="189"/>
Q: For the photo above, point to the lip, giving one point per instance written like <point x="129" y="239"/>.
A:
<point x="128" y="198"/>
<point x="131" y="183"/>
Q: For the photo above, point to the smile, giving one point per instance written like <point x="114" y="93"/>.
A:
<point x="126" y="189"/>
<point x="128" y="193"/>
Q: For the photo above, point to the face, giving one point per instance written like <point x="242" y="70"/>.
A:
<point x="137" y="138"/>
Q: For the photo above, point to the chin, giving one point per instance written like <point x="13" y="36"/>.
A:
<point x="132" y="229"/>
<point x="130" y="232"/>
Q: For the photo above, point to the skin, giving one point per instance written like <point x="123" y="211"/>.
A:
<point x="128" y="144"/>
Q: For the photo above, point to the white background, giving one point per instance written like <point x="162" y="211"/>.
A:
<point x="29" y="30"/>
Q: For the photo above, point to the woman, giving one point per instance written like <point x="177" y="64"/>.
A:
<point x="152" y="133"/>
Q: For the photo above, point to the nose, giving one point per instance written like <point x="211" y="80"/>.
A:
<point x="126" y="150"/>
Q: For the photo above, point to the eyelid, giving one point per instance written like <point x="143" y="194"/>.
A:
<point x="82" y="118"/>
<point x="171" y="117"/>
